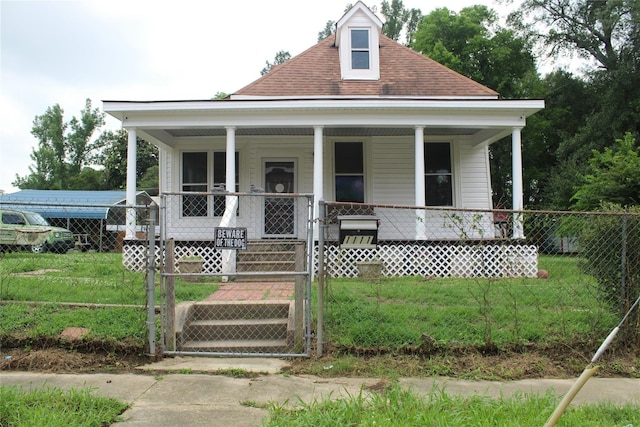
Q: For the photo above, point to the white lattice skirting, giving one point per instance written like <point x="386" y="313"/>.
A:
<point x="401" y="259"/>
<point x="437" y="261"/>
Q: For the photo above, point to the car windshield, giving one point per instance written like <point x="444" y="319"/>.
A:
<point x="35" y="219"/>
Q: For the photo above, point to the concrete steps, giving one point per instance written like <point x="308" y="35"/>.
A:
<point x="267" y="256"/>
<point x="232" y="326"/>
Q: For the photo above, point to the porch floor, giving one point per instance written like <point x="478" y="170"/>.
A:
<point x="253" y="291"/>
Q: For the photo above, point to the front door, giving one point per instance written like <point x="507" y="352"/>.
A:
<point x="279" y="212"/>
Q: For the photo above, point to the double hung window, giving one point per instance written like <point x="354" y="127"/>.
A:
<point x="360" y="58"/>
<point x="196" y="170"/>
<point x="349" y="172"/>
<point x="438" y="174"/>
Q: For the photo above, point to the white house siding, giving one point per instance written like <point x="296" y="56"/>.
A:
<point x="392" y="182"/>
<point x="253" y="151"/>
<point x="389" y="178"/>
<point x="475" y="182"/>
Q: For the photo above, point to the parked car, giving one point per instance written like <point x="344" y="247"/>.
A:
<point x="29" y="230"/>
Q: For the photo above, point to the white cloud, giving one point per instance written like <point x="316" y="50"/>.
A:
<point x="66" y="51"/>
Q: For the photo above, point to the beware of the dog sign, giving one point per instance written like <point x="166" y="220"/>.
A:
<point x="230" y="238"/>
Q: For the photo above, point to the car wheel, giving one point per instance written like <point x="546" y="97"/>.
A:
<point x="38" y="249"/>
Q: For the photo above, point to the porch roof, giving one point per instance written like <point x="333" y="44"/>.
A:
<point x="486" y="120"/>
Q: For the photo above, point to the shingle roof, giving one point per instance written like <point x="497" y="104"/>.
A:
<point x="403" y="73"/>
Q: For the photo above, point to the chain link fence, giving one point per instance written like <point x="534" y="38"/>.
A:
<point x="254" y="252"/>
<point x="418" y="279"/>
<point x="436" y="278"/>
<point x="61" y="266"/>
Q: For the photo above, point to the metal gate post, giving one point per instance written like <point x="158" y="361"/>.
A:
<point x="151" y="280"/>
<point x="320" y="320"/>
<point x="171" y="295"/>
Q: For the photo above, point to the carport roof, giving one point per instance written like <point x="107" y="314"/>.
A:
<point x="66" y="204"/>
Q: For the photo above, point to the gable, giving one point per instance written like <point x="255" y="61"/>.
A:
<point x="315" y="73"/>
<point x="357" y="36"/>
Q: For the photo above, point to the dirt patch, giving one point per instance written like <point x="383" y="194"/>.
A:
<point x="57" y="356"/>
<point x="57" y="360"/>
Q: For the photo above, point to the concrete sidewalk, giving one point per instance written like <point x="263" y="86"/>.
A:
<point x="182" y="391"/>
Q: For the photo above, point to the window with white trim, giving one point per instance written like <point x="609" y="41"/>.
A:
<point x="195" y="178"/>
<point x="438" y="177"/>
<point x="349" y="171"/>
<point x="360" y="50"/>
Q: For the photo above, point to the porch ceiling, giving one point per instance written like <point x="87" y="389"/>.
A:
<point x="328" y="131"/>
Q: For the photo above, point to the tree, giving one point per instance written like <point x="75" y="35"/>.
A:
<point x="329" y="28"/>
<point x="114" y="160"/>
<point x="606" y="33"/>
<point x="397" y="18"/>
<point x="280" y="58"/>
<point x="472" y="44"/>
<point x="61" y="154"/>
<point x="614" y="177"/>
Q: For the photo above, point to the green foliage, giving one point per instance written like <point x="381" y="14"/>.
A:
<point x="399" y="18"/>
<point x="398" y="406"/>
<point x="62" y="154"/>
<point x="604" y="31"/>
<point x="474" y="45"/>
<point x="614" y="261"/>
<point x="114" y="160"/>
<point x="54" y="407"/>
<point x="329" y="28"/>
<point x="280" y="58"/>
<point x="614" y="177"/>
<point x="606" y="106"/>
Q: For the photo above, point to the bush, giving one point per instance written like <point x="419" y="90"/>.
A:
<point x="611" y="248"/>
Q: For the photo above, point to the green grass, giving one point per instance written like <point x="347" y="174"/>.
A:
<point x="97" y="279"/>
<point x="396" y="406"/>
<point x="48" y="321"/>
<point x="53" y="407"/>
<point x="396" y="313"/>
<point x="91" y="278"/>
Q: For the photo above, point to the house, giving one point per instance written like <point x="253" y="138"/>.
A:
<point x="355" y="118"/>
<point x="97" y="218"/>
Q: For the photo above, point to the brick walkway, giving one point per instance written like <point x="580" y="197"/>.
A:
<point x="253" y="291"/>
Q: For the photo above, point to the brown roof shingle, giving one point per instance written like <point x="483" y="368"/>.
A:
<point x="403" y="72"/>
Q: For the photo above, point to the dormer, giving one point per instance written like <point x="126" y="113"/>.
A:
<point x="358" y="41"/>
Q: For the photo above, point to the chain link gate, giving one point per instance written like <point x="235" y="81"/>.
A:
<point x="247" y="257"/>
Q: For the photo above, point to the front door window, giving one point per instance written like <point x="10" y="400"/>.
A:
<point x="279" y="212"/>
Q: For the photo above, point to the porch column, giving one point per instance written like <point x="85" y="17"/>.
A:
<point x="517" y="190"/>
<point x="231" y="160"/>
<point x="318" y="176"/>
<point x="130" y="227"/>
<point x="420" y="200"/>
<point x="231" y="202"/>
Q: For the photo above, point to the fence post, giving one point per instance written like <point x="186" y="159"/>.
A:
<point x="169" y="262"/>
<point x="320" y="320"/>
<point x="625" y="298"/>
<point x="151" y="279"/>
<point x="299" y="297"/>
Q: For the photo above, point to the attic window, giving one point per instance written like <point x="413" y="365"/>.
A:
<point x="360" y="49"/>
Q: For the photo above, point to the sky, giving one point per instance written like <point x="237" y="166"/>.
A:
<point x="63" y="52"/>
